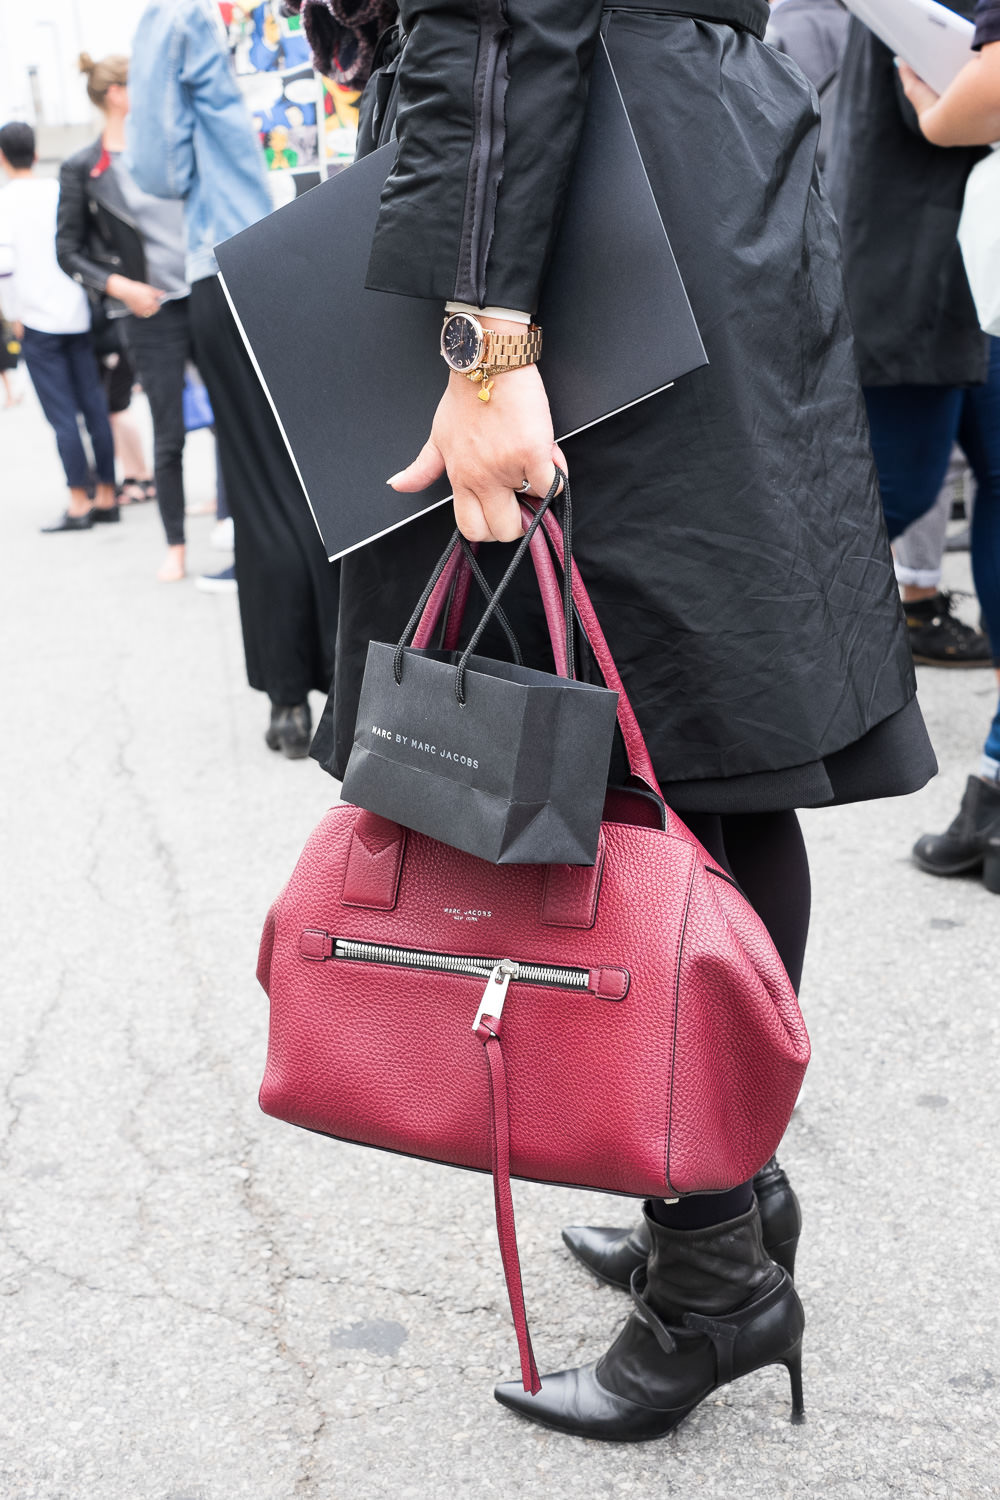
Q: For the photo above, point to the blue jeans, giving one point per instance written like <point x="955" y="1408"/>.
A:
<point x="913" y="429"/>
<point x="67" y="380"/>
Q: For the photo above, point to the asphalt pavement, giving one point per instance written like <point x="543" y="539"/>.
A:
<point x="200" y="1303"/>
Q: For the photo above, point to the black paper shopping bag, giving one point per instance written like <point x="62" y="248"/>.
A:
<point x="495" y="758"/>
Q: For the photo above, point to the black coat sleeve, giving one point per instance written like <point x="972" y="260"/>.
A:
<point x="73" y="230"/>
<point x="491" y="102"/>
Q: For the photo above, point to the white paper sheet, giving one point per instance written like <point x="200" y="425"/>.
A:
<point x="931" y="38"/>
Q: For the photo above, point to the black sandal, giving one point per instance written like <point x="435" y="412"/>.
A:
<point x="136" y="491"/>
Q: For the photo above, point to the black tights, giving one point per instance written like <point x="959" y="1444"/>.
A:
<point x="766" y="856"/>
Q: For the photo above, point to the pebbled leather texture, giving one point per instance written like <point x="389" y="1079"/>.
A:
<point x="694" y="1072"/>
<point x="316" y="946"/>
<point x="374" y="861"/>
<point x="569" y="898"/>
<point x="686" y="1084"/>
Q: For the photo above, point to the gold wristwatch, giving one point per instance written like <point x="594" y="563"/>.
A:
<point x="480" y="354"/>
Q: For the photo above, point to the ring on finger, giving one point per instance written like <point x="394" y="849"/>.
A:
<point x="525" y="487"/>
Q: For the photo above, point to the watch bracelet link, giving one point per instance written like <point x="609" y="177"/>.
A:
<point x="509" y="351"/>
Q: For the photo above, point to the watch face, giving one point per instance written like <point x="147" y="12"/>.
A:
<point x="462" y="342"/>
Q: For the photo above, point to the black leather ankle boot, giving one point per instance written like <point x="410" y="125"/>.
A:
<point x="964" y="845"/>
<point x="613" y="1254"/>
<point x="780" y="1214"/>
<point x="290" y="730"/>
<point x="709" y="1307"/>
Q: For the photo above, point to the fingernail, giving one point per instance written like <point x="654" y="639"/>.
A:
<point x="392" y="481"/>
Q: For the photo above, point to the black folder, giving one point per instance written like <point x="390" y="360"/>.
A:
<point x="354" y="376"/>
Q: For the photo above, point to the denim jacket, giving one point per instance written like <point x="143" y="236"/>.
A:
<point x="189" y="132"/>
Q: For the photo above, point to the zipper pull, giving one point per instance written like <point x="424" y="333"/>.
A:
<point x="496" y="991"/>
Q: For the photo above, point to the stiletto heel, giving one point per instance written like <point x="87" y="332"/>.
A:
<point x="793" y="1364"/>
<point x="683" y="1340"/>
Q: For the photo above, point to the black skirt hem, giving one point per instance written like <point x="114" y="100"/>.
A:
<point x="891" y="760"/>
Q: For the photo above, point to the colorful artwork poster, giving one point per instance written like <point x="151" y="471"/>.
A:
<point x="339" y="134"/>
<point x="285" y="118"/>
<point x="265" y="41"/>
<point x="272" y="62"/>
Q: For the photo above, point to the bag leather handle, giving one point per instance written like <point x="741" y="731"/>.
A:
<point x="639" y="763"/>
<point x="448" y="577"/>
<point x="560" y="484"/>
<point x="456" y="579"/>
<point x="460" y="587"/>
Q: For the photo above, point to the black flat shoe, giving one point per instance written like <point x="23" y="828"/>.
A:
<point x="66" y="522"/>
<point x="683" y="1339"/>
<point x="290" y="730"/>
<point x="613" y="1254"/>
<point x="105" y="513"/>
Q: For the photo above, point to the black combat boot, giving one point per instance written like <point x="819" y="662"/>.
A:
<point x="613" y="1254"/>
<point x="938" y="638"/>
<point x="964" y="846"/>
<point x="709" y="1307"/>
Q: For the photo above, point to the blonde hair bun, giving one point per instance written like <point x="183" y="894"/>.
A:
<point x="102" y="74"/>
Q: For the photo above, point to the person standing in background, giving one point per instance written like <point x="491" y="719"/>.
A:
<point x="137" y="485"/>
<point x="931" y="377"/>
<point x="813" y="33"/>
<point x="10" y="353"/>
<point x="190" y="137"/>
<point x="968" y="114"/>
<point x="127" y="248"/>
<point x="51" y="317"/>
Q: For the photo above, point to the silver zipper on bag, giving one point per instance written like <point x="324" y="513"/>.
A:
<point x="604" y="981"/>
<point x="498" y="973"/>
<point x="447" y="963"/>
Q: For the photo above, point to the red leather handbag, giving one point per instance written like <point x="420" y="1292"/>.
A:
<point x="625" y="1026"/>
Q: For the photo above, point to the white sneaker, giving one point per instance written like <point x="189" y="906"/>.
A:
<point x="221" y="535"/>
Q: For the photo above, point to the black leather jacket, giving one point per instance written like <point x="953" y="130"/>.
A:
<point x="95" y="234"/>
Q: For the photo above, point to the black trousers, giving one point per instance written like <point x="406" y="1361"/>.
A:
<point x="288" y="591"/>
<point x="67" y="380"/>
<point x="160" y="347"/>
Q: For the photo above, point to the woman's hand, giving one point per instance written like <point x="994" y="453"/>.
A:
<point x="968" y="112"/>
<point x="141" y="299"/>
<point x="919" y="93"/>
<point x="489" y="448"/>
